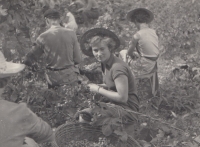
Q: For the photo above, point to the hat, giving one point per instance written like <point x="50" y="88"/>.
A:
<point x="131" y="14"/>
<point x="8" y="69"/>
<point x="52" y="13"/>
<point x="85" y="39"/>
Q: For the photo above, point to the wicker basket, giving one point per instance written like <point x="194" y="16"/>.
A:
<point x="77" y="132"/>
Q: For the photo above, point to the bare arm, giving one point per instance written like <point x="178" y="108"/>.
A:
<point x="121" y="95"/>
<point x="133" y="44"/>
<point x="103" y="85"/>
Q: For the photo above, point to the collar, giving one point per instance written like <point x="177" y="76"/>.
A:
<point x="144" y="26"/>
<point x="109" y="63"/>
<point x="54" y="26"/>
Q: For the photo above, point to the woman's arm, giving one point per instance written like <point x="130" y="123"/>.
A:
<point x="120" y="96"/>
<point x="103" y="86"/>
<point x="133" y="44"/>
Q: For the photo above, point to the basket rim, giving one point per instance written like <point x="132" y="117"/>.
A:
<point x="79" y="125"/>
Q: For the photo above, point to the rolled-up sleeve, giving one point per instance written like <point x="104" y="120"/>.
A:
<point x="119" y="70"/>
<point x="35" y="127"/>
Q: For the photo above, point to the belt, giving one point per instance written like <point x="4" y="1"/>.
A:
<point x="94" y="8"/>
<point x="54" y="69"/>
<point x="151" y="58"/>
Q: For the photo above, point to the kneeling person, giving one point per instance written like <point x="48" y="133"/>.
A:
<point x="119" y="88"/>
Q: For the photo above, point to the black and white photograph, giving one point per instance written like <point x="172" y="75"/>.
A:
<point x="99" y="73"/>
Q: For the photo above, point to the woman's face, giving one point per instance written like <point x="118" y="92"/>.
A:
<point x="101" y="52"/>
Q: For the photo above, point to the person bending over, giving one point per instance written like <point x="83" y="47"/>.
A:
<point x="19" y="126"/>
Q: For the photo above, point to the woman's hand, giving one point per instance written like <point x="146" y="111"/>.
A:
<point x="104" y="86"/>
<point x="93" y="87"/>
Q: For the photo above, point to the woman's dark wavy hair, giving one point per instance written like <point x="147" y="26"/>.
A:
<point x="140" y="16"/>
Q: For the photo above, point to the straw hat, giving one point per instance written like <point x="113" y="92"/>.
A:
<point x="131" y="14"/>
<point x="88" y="35"/>
<point x="8" y="69"/>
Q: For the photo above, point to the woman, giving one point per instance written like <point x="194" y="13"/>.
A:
<point x="89" y="10"/>
<point x="144" y="47"/>
<point x="118" y="89"/>
<point x="69" y="21"/>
